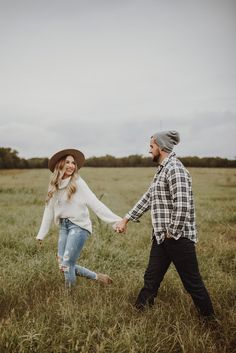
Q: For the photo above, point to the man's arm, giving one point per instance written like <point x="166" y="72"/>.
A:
<point x="135" y="213"/>
<point x="180" y="189"/>
<point x="122" y="225"/>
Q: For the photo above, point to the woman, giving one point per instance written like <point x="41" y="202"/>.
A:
<point x="67" y="204"/>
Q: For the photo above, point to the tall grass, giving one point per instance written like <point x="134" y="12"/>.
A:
<point x="37" y="315"/>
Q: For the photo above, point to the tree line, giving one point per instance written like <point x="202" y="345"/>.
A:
<point x="10" y="159"/>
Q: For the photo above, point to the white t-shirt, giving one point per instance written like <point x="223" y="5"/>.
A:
<point x="75" y="209"/>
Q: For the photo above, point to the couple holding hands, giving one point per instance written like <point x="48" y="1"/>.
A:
<point x="170" y="200"/>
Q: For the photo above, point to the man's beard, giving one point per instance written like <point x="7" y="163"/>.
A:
<point x="156" y="158"/>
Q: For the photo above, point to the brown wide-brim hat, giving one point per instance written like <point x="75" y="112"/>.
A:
<point x="78" y="156"/>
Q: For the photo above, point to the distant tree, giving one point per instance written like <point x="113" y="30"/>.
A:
<point x="208" y="162"/>
<point x="9" y="159"/>
<point x="38" y="163"/>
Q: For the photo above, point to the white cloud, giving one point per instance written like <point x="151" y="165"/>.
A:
<point x="202" y="134"/>
<point x="103" y="75"/>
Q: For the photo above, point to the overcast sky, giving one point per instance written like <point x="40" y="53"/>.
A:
<point x="104" y="75"/>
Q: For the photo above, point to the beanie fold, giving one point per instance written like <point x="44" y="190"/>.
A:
<point x="166" y="140"/>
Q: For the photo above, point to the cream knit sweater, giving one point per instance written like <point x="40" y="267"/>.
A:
<point x="76" y="209"/>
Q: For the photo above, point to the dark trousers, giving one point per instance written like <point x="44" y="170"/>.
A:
<point x="182" y="253"/>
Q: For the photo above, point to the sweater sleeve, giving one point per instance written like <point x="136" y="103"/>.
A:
<point x="101" y="210"/>
<point x="46" y="221"/>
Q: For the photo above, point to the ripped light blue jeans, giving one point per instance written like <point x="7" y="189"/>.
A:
<point x="70" y="243"/>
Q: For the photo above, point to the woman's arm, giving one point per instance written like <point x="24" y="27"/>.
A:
<point x="46" y="221"/>
<point x="98" y="207"/>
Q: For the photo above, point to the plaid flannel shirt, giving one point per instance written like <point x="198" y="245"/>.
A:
<point x="170" y="200"/>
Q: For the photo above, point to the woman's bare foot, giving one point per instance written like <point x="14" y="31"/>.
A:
<point x="105" y="279"/>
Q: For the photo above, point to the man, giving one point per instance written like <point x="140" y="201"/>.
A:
<point x="170" y="200"/>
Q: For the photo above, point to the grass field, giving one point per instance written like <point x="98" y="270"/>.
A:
<point x="38" y="316"/>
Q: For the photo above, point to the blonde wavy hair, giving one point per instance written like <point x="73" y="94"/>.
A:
<point x="56" y="178"/>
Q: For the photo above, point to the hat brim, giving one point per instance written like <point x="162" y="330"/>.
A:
<point x="78" y="156"/>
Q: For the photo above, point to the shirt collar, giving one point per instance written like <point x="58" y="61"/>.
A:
<point x="64" y="182"/>
<point x="165" y="161"/>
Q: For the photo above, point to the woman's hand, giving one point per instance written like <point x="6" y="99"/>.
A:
<point x="121" y="226"/>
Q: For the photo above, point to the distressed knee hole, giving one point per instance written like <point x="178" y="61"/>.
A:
<point x="59" y="260"/>
<point x="64" y="268"/>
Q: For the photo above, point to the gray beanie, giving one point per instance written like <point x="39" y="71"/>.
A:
<point x="166" y="140"/>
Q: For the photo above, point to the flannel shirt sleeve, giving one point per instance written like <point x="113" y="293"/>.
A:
<point x="180" y="187"/>
<point x="140" y="207"/>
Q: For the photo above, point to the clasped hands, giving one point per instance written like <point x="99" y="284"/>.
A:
<point x="121" y="226"/>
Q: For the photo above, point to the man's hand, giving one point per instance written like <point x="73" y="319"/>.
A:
<point x="121" y="226"/>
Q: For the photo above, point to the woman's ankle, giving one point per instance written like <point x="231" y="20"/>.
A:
<point x="103" y="278"/>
